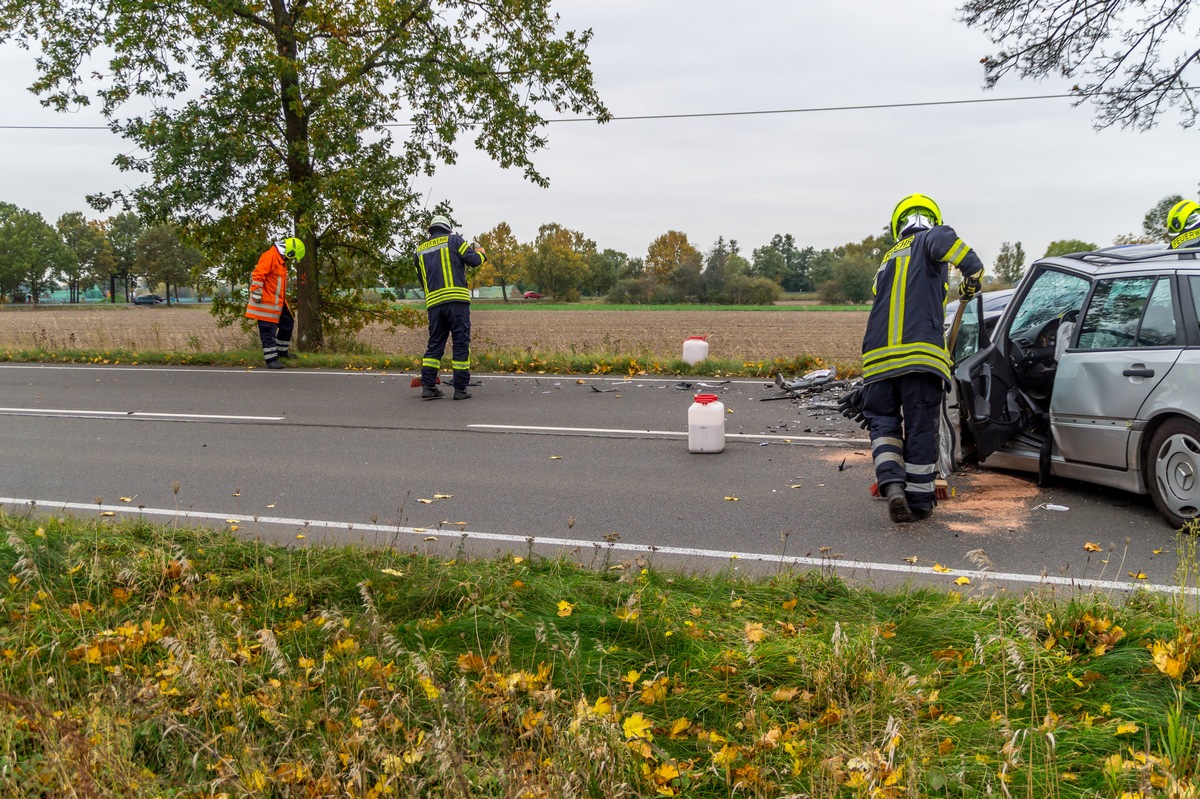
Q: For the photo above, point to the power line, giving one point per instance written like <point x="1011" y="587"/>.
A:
<point x="699" y="115"/>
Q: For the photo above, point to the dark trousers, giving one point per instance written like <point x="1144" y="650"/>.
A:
<point x="276" y="338"/>
<point x="904" y="413"/>
<point x="448" y="320"/>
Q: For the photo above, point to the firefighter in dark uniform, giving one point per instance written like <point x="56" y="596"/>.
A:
<point x="1183" y="225"/>
<point x="442" y="262"/>
<point x="906" y="368"/>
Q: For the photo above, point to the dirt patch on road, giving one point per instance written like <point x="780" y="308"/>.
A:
<point x="835" y="336"/>
<point x="987" y="503"/>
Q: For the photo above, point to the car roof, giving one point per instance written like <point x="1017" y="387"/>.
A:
<point x="1123" y="259"/>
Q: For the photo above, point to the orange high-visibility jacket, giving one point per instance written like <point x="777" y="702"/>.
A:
<point x="269" y="277"/>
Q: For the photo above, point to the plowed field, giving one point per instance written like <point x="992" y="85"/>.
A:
<point x="749" y="335"/>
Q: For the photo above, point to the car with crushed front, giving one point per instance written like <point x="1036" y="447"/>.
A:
<point x="1091" y="373"/>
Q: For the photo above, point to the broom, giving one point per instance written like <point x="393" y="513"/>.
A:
<point x="416" y="381"/>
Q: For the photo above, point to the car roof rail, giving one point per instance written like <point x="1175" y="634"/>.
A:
<point x="1133" y="254"/>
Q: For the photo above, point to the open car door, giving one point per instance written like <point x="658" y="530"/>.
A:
<point x="985" y="382"/>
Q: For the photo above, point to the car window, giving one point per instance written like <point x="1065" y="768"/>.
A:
<point x="1051" y="295"/>
<point x="1194" y="282"/>
<point x="1129" y="312"/>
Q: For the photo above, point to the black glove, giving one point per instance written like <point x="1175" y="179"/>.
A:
<point x="969" y="287"/>
<point x="851" y="406"/>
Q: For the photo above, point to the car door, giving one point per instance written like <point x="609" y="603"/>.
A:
<point x="1129" y="338"/>
<point x="993" y="402"/>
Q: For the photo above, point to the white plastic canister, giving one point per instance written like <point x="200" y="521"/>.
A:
<point x="706" y="424"/>
<point x="695" y="349"/>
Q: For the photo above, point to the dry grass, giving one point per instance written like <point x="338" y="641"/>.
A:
<point x="750" y="335"/>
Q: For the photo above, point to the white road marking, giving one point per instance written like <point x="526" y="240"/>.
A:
<point x="837" y="565"/>
<point x="675" y="433"/>
<point x="132" y="414"/>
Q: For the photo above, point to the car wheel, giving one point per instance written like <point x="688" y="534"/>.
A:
<point x="1172" y="471"/>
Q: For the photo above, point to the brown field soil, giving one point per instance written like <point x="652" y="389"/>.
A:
<point x="834" y="336"/>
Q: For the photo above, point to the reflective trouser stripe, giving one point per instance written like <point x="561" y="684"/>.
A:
<point x="920" y="477"/>
<point x="458" y="366"/>
<point x="431" y="363"/>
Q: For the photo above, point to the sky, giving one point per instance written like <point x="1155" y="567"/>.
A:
<point x="1031" y="171"/>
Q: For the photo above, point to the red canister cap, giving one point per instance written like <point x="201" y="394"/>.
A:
<point x="705" y="399"/>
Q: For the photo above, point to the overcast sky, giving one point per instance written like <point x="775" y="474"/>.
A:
<point x="1032" y="171"/>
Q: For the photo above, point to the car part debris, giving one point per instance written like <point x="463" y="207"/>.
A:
<point x="814" y="378"/>
<point x="602" y="390"/>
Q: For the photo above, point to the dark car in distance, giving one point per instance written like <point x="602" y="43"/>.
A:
<point x="148" y="299"/>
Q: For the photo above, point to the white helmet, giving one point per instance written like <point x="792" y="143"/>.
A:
<point x="439" y="221"/>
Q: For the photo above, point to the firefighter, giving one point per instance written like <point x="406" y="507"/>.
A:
<point x="906" y="368"/>
<point x="442" y="262"/>
<point x="268" y="300"/>
<point x="1183" y="224"/>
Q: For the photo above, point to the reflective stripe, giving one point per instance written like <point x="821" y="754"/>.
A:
<point x="1184" y="238"/>
<point x="918" y="488"/>
<point x="460" y="366"/>
<point x="958" y="251"/>
<point x="896" y="311"/>
<point x="890" y="365"/>
<point x="431" y="363"/>
<point x="919" y="468"/>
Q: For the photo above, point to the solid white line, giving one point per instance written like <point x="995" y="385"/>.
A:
<point x="134" y="414"/>
<point x="837" y="565"/>
<point x="746" y="436"/>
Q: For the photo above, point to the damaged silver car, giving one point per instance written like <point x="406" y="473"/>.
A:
<point x="1091" y="373"/>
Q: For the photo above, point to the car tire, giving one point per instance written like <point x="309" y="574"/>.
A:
<point x="1172" y="471"/>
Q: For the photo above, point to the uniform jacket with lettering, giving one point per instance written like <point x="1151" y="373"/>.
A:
<point x="269" y="277"/>
<point x="442" y="262"/>
<point x="905" y="330"/>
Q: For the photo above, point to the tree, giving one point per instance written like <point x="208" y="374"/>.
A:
<point x="278" y="117"/>
<point x="605" y="269"/>
<point x="784" y="263"/>
<point x="31" y="252"/>
<point x="1133" y="59"/>
<point x="1010" y="263"/>
<point x="668" y="252"/>
<point x="505" y="258"/>
<point x="558" y="262"/>
<point x="1068" y="246"/>
<point x="94" y="261"/>
<point x="163" y="258"/>
<point x="124" y="230"/>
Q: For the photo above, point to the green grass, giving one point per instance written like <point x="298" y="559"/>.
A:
<point x="522" y="362"/>
<point x="543" y="305"/>
<point x="142" y="660"/>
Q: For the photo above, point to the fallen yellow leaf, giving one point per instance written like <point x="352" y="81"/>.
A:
<point x="1127" y="727"/>
<point x="732" y="499"/>
<point x="556" y="457"/>
<point x="107" y="513"/>
<point x="126" y="499"/>
<point x="964" y="580"/>
<point x="1090" y="547"/>
<point x="939" y="568"/>
<point x="911" y="559"/>
<point x="1138" y="576"/>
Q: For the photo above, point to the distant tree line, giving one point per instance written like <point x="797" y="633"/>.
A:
<point x="110" y="256"/>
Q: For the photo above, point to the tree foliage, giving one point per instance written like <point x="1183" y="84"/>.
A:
<point x="505" y="258"/>
<point x="668" y="252"/>
<point x="279" y="117"/>
<point x="1010" y="263"/>
<point x="163" y="257"/>
<point x="31" y="253"/>
<point x="87" y="239"/>
<point x="558" y="261"/>
<point x="1133" y="59"/>
<point x="1068" y="246"/>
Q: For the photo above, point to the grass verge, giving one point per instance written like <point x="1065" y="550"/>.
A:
<point x="143" y="660"/>
<point x="523" y="362"/>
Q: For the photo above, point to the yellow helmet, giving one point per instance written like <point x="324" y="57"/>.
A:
<point x="1177" y="217"/>
<point x="293" y="249"/>
<point x="914" y="204"/>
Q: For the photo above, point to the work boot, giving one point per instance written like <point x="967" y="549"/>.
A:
<point x="897" y="503"/>
<point x="920" y="514"/>
<point x="274" y="364"/>
<point x="462" y="393"/>
<point x="431" y="392"/>
<point x="286" y="356"/>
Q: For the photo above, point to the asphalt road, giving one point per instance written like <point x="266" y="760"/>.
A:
<point x="598" y="468"/>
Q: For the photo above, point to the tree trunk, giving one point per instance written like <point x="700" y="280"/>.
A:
<point x="310" y="335"/>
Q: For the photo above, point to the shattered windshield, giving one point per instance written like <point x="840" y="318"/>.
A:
<point x="1052" y="294"/>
